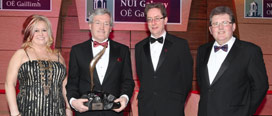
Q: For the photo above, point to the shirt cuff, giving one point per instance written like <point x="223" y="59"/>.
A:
<point x="124" y="95"/>
<point x="70" y="102"/>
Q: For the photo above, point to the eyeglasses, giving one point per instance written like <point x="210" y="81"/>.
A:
<point x="224" y="23"/>
<point x="98" y="23"/>
<point x="156" y="19"/>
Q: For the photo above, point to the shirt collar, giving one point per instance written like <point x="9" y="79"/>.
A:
<point x="162" y="35"/>
<point x="230" y="42"/>
<point x="102" y="41"/>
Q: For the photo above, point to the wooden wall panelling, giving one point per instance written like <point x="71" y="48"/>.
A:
<point x="122" y="37"/>
<point x="259" y="34"/>
<point x="69" y="8"/>
<point x="194" y="83"/>
<point x="214" y="3"/>
<point x="134" y="103"/>
<point x="11" y="31"/>
<point x="137" y="36"/>
<point x="71" y="34"/>
<point x="133" y="64"/>
<point x="198" y="10"/>
<point x="65" y="52"/>
<point x="265" y="108"/>
<point x="58" y="34"/>
<point x="4" y="61"/>
<point x="191" y="106"/>
<point x="195" y="35"/>
<point x="268" y="65"/>
<point x="4" y="106"/>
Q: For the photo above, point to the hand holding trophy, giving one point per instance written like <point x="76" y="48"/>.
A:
<point x="99" y="100"/>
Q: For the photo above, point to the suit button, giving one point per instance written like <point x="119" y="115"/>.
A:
<point x="155" y="77"/>
<point x="155" y="93"/>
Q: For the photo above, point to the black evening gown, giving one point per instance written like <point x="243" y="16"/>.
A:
<point x="40" y="85"/>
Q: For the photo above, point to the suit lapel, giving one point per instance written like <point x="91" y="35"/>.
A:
<point x="166" y="46"/>
<point x="113" y="55"/>
<point x="207" y="56"/>
<point x="148" y="55"/>
<point x="225" y="65"/>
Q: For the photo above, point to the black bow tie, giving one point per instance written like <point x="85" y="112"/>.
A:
<point x="152" y="40"/>
<point x="224" y="48"/>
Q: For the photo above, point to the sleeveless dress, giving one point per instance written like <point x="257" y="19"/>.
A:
<point x="40" y="85"/>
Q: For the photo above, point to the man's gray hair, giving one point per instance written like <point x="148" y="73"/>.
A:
<point x="100" y="11"/>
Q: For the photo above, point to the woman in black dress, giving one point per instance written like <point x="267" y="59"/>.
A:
<point x="41" y="73"/>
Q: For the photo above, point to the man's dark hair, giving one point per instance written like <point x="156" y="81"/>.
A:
<point x="156" y="5"/>
<point x="222" y="10"/>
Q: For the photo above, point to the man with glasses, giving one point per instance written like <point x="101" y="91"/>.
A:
<point x="231" y="73"/>
<point x="164" y="67"/>
<point x="112" y="73"/>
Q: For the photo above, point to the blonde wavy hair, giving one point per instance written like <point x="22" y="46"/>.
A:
<point x="28" y="31"/>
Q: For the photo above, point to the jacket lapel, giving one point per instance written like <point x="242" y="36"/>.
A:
<point x="166" y="46"/>
<point x="206" y="59"/>
<point x="113" y="55"/>
<point x="148" y="55"/>
<point x="225" y="65"/>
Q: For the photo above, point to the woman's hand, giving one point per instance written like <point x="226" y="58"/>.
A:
<point x="69" y="112"/>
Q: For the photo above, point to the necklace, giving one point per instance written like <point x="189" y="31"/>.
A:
<point x="46" y="72"/>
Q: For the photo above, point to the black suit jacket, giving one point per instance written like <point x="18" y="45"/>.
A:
<point x="117" y="81"/>
<point x="240" y="84"/>
<point x="163" y="92"/>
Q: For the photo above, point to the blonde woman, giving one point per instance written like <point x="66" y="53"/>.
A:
<point x="41" y="72"/>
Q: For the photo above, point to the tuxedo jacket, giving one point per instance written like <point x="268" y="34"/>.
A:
<point x="240" y="84"/>
<point x="117" y="81"/>
<point x="163" y="92"/>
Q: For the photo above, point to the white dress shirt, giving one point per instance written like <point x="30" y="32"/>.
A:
<point x="102" y="64"/>
<point x="155" y="51"/>
<point x="216" y="59"/>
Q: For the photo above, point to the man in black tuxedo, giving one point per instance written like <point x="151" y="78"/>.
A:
<point x="112" y="73"/>
<point x="231" y="73"/>
<point x="164" y="67"/>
